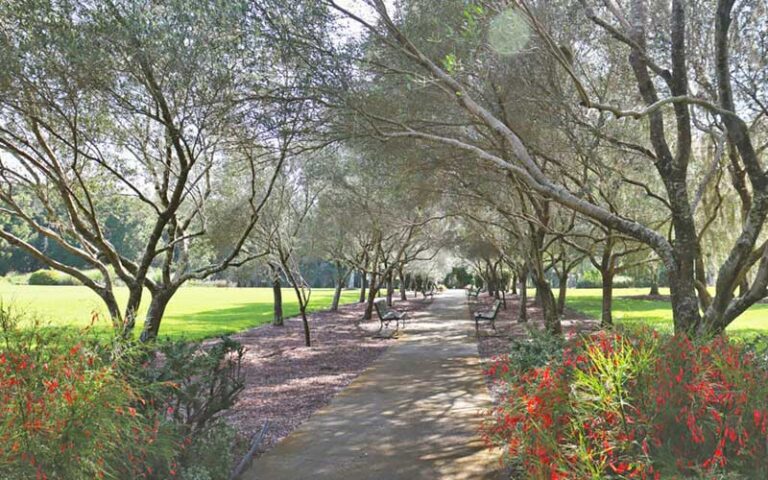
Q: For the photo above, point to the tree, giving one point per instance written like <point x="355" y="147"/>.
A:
<point x="650" y="66"/>
<point x="103" y="104"/>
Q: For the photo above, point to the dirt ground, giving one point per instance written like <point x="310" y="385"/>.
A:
<point x="286" y="382"/>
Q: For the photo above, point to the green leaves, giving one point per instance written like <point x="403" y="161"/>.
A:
<point x="450" y="63"/>
<point x="472" y="15"/>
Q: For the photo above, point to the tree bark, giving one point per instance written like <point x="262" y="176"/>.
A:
<point x="341" y="278"/>
<point x="337" y="295"/>
<point x="371" y="298"/>
<point x="157" y="306"/>
<point x="548" y="305"/>
<point x="536" y="295"/>
<point x="562" y="292"/>
<point x="305" y="323"/>
<point x="303" y="310"/>
<point x="523" y="315"/>
<point x="403" y="293"/>
<point x="654" y="283"/>
<point x="135" y="293"/>
<point x="363" y="284"/>
<point x="390" y="287"/>
<point x="606" y="318"/>
<point x="277" y="298"/>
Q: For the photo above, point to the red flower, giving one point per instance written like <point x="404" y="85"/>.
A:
<point x="69" y="397"/>
<point x="533" y="404"/>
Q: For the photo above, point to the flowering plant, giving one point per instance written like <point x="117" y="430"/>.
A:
<point x="633" y="406"/>
<point x="65" y="413"/>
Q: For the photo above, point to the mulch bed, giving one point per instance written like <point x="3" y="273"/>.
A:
<point x="287" y="382"/>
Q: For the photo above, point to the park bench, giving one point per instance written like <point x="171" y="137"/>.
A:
<point x="473" y="293"/>
<point x="488" y="315"/>
<point x="428" y="293"/>
<point x="388" y="315"/>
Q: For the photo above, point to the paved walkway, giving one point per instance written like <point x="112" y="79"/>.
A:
<point x="412" y="415"/>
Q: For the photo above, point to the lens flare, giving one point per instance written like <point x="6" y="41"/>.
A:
<point x="508" y="33"/>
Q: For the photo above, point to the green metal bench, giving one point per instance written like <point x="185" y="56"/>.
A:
<point x="473" y="293"/>
<point x="428" y="293"/>
<point x="387" y="315"/>
<point x="488" y="315"/>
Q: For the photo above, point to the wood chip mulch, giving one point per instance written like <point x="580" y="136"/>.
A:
<point x="287" y="382"/>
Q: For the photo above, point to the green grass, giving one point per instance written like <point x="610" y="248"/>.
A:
<point x="656" y="314"/>
<point x="194" y="312"/>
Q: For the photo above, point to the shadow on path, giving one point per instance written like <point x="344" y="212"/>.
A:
<point x="414" y="414"/>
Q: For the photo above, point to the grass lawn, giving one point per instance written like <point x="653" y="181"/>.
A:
<point x="194" y="312"/>
<point x="656" y="314"/>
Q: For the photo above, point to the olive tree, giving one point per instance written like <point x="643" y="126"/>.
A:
<point x="158" y="105"/>
<point x="606" y="40"/>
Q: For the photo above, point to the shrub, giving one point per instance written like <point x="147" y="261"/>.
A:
<point x="621" y="406"/>
<point x="593" y="279"/>
<point x="43" y="277"/>
<point x="66" y="413"/>
<point x="51" y="277"/>
<point x="73" y="406"/>
<point x="538" y="350"/>
<point x="621" y="281"/>
<point x="191" y="383"/>
<point x="209" y="456"/>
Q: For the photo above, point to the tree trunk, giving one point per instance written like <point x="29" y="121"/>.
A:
<point x="371" y="298"/>
<point x="536" y="295"/>
<point x="132" y="307"/>
<point x="337" y="295"/>
<point x="305" y="323"/>
<point x="606" y="319"/>
<point x="157" y="306"/>
<point x="654" y="283"/>
<point x="108" y="296"/>
<point x="390" y="287"/>
<point x="514" y="284"/>
<point x="743" y="287"/>
<point x="548" y="305"/>
<point x="342" y="275"/>
<point x="403" y="294"/>
<point x="277" y="298"/>
<point x="363" y="284"/>
<point x="685" y="306"/>
<point x="523" y="315"/>
<point x="562" y="292"/>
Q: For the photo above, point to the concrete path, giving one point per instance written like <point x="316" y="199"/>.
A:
<point x="412" y="415"/>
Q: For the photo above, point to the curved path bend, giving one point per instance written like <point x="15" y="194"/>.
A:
<point x="414" y="414"/>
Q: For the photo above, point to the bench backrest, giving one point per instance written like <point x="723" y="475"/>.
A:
<point x="496" y="307"/>
<point x="381" y="308"/>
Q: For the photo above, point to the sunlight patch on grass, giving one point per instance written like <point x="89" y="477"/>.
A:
<point x="656" y="314"/>
<point x="194" y="312"/>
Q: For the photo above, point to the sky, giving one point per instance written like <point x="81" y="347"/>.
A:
<point x="353" y="29"/>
